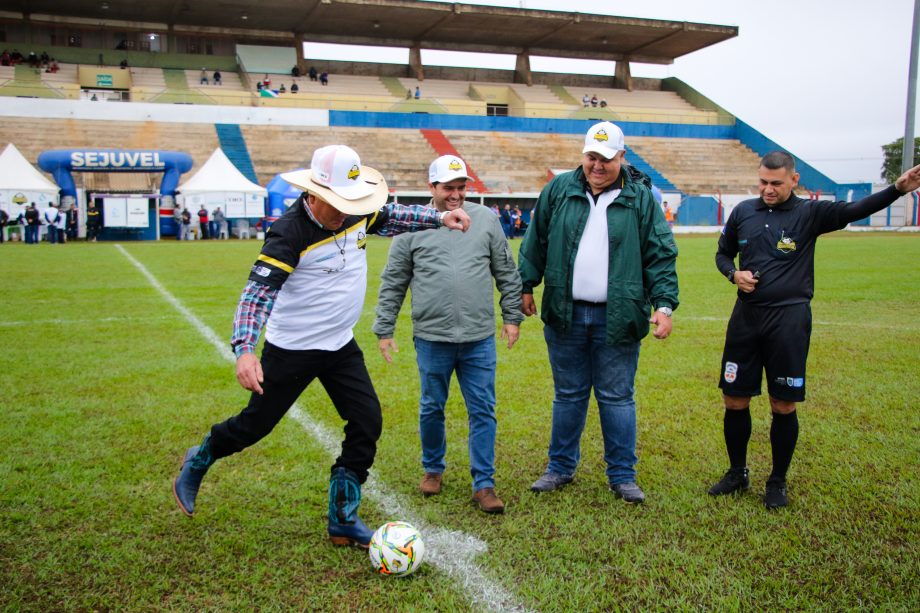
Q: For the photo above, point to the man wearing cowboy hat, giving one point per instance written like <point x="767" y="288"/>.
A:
<point x="306" y="289"/>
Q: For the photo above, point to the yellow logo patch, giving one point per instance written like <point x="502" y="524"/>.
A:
<point x="354" y="173"/>
<point x="454" y="165"/>
<point x="601" y="135"/>
<point x="19" y="199"/>
<point x="785" y="244"/>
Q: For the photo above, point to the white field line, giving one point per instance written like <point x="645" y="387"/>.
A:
<point x="88" y="320"/>
<point x="450" y="551"/>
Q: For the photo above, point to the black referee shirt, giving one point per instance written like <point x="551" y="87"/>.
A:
<point x="779" y="242"/>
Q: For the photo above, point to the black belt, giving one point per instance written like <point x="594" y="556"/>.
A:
<point x="585" y="303"/>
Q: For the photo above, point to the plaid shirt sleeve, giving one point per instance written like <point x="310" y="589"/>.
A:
<point x="395" y="219"/>
<point x="252" y="312"/>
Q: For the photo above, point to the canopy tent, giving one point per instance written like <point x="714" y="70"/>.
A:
<point x="21" y="183"/>
<point x="219" y="183"/>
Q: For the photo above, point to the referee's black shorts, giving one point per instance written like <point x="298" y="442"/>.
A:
<point x="774" y="339"/>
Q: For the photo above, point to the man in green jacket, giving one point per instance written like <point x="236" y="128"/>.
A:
<point x="453" y="323"/>
<point x="605" y="254"/>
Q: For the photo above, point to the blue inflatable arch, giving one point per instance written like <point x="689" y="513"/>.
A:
<point x="61" y="163"/>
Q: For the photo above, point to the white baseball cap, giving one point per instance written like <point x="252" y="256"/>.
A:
<point x="447" y="168"/>
<point x="605" y="139"/>
<point x="337" y="176"/>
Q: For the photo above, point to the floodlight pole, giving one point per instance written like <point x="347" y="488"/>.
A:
<point x="907" y="153"/>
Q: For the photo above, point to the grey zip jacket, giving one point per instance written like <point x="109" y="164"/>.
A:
<point x="451" y="274"/>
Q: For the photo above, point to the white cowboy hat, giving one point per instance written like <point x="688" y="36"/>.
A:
<point x="337" y="176"/>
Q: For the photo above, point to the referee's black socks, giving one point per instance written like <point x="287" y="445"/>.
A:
<point x="737" y="427"/>
<point x="784" y="432"/>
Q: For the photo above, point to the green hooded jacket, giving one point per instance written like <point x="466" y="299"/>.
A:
<point x="642" y="265"/>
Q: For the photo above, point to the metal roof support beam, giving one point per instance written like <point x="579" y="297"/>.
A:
<point x="522" y="72"/>
<point x="622" y="76"/>
<point x="415" y="62"/>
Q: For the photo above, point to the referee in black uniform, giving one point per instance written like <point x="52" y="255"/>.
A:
<point x="770" y="326"/>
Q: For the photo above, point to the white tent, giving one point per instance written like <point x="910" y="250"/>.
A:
<point x="21" y="183"/>
<point x="219" y="183"/>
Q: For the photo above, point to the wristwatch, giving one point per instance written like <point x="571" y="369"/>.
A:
<point x="441" y="217"/>
<point x="731" y="275"/>
<point x="668" y="311"/>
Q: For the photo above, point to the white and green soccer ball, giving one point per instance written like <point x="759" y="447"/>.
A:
<point x="396" y="549"/>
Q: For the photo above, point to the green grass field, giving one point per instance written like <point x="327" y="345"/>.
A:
<point x="104" y="384"/>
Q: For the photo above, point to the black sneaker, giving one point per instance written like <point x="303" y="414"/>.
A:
<point x="775" y="496"/>
<point x="736" y="479"/>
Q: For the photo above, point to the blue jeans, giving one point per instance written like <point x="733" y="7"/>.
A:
<point x="474" y="364"/>
<point x="580" y="360"/>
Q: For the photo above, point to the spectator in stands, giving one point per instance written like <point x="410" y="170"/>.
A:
<point x="515" y="221"/>
<point x="324" y="78"/>
<point x="418" y="92"/>
<point x="505" y="220"/>
<point x="306" y="290"/>
<point x="219" y="223"/>
<point x="4" y="220"/>
<point x="33" y="222"/>
<point x="52" y="215"/>
<point x="312" y="73"/>
<point x="295" y="71"/>
<point x="294" y="87"/>
<point x="33" y="59"/>
<point x="495" y="210"/>
<point x="599" y="243"/>
<point x="203" y="223"/>
<point x="94" y="222"/>
<point x="445" y="270"/>
<point x="282" y="90"/>
<point x="44" y="59"/>
<point x="203" y="77"/>
<point x="408" y="94"/>
<point x="5" y="59"/>
<point x="53" y="66"/>
<point x="93" y="98"/>
<point x="774" y="238"/>
<point x="258" y="86"/>
<point x="603" y="103"/>
<point x="594" y="100"/>
<point x="668" y="214"/>
<point x="123" y="64"/>
<point x="177" y="218"/>
<point x="585" y="101"/>
<point x="519" y="225"/>
<point x="15" y="57"/>
<point x="186" y="225"/>
<point x="217" y="78"/>
<point x="73" y="225"/>
<point x="267" y="82"/>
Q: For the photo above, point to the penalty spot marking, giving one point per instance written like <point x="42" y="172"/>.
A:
<point x="450" y="551"/>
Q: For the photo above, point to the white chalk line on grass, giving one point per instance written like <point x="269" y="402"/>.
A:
<point x="450" y="551"/>
<point x="89" y="320"/>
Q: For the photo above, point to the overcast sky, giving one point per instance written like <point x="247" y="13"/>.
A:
<point x="825" y="79"/>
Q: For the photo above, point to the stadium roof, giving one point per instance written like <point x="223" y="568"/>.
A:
<point x="406" y="23"/>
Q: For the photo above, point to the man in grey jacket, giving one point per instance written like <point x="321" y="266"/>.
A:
<point x="453" y="322"/>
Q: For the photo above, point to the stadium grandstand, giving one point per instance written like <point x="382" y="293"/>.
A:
<point x="123" y="76"/>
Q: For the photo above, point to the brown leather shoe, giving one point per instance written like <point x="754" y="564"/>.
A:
<point x="431" y="484"/>
<point x="488" y="501"/>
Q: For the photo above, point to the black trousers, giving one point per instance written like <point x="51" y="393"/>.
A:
<point x="287" y="374"/>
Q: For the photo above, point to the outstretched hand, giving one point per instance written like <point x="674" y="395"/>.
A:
<point x="456" y="220"/>
<point x="909" y="181"/>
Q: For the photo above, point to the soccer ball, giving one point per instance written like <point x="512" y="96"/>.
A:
<point x="396" y="549"/>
